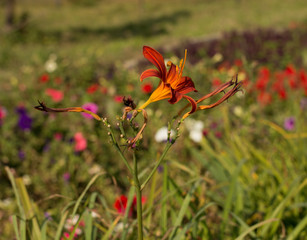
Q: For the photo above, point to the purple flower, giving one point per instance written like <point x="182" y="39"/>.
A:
<point x="24" y="121"/>
<point x="129" y="116"/>
<point x="289" y="123"/>
<point x="47" y="216"/>
<point x="21" y="155"/>
<point x="92" y="107"/>
<point x="160" y="169"/>
<point x="66" y="177"/>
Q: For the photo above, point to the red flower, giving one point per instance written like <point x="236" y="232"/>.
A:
<point x="104" y="90"/>
<point x="216" y="82"/>
<point x="264" y="98"/>
<point x="282" y="93"/>
<point x="303" y="78"/>
<point x="44" y="78"/>
<point x="238" y="63"/>
<point x="93" y="88"/>
<point x="58" y="80"/>
<point x="292" y="82"/>
<point x="147" y="88"/>
<point x="263" y="78"/>
<point x="56" y="95"/>
<point x="290" y="70"/>
<point x="120" y="205"/>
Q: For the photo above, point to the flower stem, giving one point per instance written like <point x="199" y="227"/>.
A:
<point x="113" y="139"/>
<point x="138" y="198"/>
<point x="167" y="147"/>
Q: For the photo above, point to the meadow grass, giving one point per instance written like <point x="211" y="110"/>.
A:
<point x="246" y="178"/>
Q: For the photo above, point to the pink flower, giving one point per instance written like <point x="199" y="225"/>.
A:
<point x="56" y="95"/>
<point x="58" y="136"/>
<point x="66" y="177"/>
<point x="2" y="112"/>
<point x="66" y="236"/>
<point x="118" y="99"/>
<point x="92" y="107"/>
<point x="80" y="142"/>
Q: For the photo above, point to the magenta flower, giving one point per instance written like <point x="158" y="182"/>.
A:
<point x="2" y="114"/>
<point x="289" y="123"/>
<point x="66" y="176"/>
<point x="92" y="107"/>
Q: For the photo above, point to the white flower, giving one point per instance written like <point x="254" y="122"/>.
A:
<point x="196" y="136"/>
<point x="238" y="111"/>
<point x="161" y="134"/>
<point x="94" y="169"/>
<point x="70" y="222"/>
<point x="26" y="179"/>
<point x="51" y="64"/>
<point x="218" y="57"/>
<point x="195" y="127"/>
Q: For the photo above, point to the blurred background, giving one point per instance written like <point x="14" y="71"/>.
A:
<point x="249" y="154"/>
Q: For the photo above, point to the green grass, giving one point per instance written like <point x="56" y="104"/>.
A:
<point x="105" y="25"/>
<point x="245" y="180"/>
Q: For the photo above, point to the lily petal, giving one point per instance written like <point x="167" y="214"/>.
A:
<point x="185" y="85"/>
<point x="193" y="103"/>
<point x="150" y="73"/>
<point x="156" y="59"/>
<point x="171" y="74"/>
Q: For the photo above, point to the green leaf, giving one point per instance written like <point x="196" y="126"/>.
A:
<point x="15" y="225"/>
<point x="84" y="192"/>
<point x="229" y="199"/>
<point x="299" y="228"/>
<point x="184" y="208"/>
<point x="251" y="229"/>
<point x="60" y="226"/>
<point x="293" y="190"/>
<point x="111" y="228"/>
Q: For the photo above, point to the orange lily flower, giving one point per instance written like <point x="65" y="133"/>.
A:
<point x="173" y="85"/>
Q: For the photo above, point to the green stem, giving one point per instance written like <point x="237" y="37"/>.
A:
<point x="138" y="198"/>
<point x="111" y="134"/>
<point x="167" y="147"/>
<point x="123" y="157"/>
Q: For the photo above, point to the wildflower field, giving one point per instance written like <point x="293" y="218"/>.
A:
<point x="142" y="119"/>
